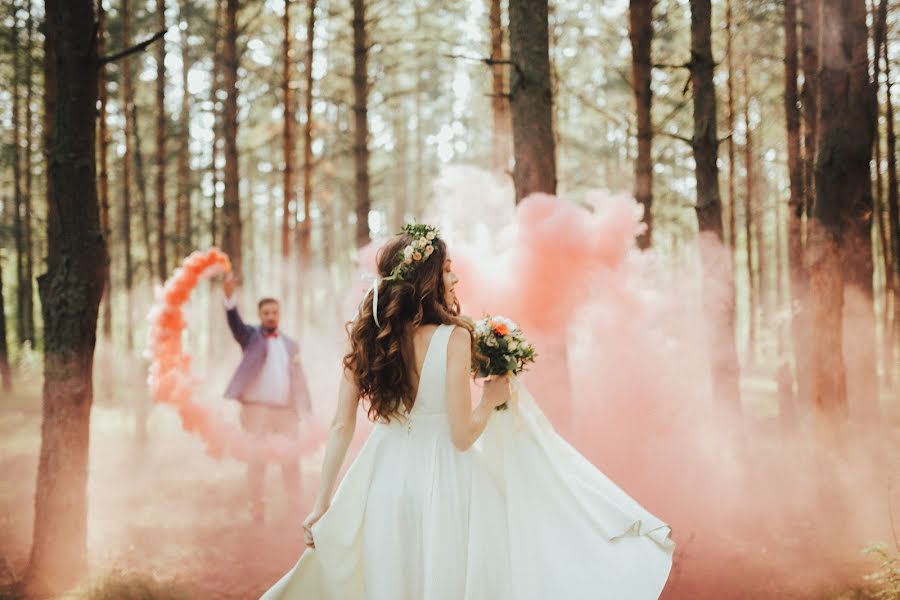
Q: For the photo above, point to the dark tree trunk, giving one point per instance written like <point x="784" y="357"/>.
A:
<point x="754" y="259"/>
<point x="809" y="95"/>
<point x="27" y="199"/>
<point x="361" y="121"/>
<point x="720" y="309"/>
<point x="799" y="282"/>
<point x="289" y="136"/>
<point x="531" y="99"/>
<point x="141" y="181"/>
<point x="5" y="371"/>
<point x="499" y="93"/>
<point x="231" y="209"/>
<point x="183" y="224"/>
<point x="893" y="196"/>
<point x="162" y="264"/>
<point x="306" y="225"/>
<point x="216" y="119"/>
<point x="18" y="203"/>
<point x="70" y="296"/>
<point x="641" y="33"/>
<point x="102" y="159"/>
<point x="840" y="236"/>
<point x="127" y="161"/>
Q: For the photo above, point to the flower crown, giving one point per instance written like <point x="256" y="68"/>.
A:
<point x="417" y="251"/>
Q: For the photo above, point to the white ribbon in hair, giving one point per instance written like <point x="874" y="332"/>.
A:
<point x="376" y="281"/>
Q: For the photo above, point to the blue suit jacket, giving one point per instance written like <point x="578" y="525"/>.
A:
<point x="253" y="343"/>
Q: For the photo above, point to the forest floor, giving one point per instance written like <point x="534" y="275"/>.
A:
<point x="169" y="514"/>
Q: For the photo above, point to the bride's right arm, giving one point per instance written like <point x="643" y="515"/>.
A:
<point x="466" y="424"/>
<point x="339" y="437"/>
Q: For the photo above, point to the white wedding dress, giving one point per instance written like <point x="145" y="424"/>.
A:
<point x="520" y="516"/>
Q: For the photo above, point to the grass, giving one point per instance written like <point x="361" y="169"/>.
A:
<point x="121" y="585"/>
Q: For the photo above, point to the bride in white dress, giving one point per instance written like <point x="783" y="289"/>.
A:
<point x="447" y="502"/>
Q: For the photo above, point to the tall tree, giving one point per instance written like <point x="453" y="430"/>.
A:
<point x="289" y="136"/>
<point x="103" y="162"/>
<point x="18" y="207"/>
<point x="640" y="31"/>
<point x="231" y="208"/>
<point x="361" y="121"/>
<point x="531" y="99"/>
<point x="5" y="371"/>
<point x="70" y="293"/>
<point x="27" y="196"/>
<point x="893" y="196"/>
<point x="809" y="94"/>
<point x="709" y="206"/>
<point x="840" y="237"/>
<point x="140" y="179"/>
<point x="796" y="202"/>
<point x="183" y="224"/>
<point x="306" y="225"/>
<point x="499" y="95"/>
<point x="127" y="163"/>
<point x="215" y="86"/>
<point x="162" y="267"/>
<point x="754" y="258"/>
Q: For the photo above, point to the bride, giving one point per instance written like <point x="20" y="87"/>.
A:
<point x="447" y="502"/>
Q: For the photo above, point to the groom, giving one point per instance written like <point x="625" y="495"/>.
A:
<point x="270" y="385"/>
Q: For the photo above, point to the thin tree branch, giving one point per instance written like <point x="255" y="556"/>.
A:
<point x="103" y="60"/>
<point x="675" y="136"/>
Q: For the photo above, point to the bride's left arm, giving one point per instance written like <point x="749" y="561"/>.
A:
<point x="340" y="435"/>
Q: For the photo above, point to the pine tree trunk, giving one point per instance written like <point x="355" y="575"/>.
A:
<point x="141" y="181"/>
<point x="840" y="243"/>
<point x="531" y="99"/>
<point x="799" y="283"/>
<point x="27" y="200"/>
<point x="499" y="94"/>
<point x="400" y="171"/>
<point x="361" y="121"/>
<point x="893" y="196"/>
<point x="754" y="259"/>
<point x="127" y="161"/>
<point x="809" y="95"/>
<point x="215" y="86"/>
<point x="878" y="201"/>
<point x="289" y="137"/>
<point x="719" y="309"/>
<point x="5" y="371"/>
<point x="231" y="209"/>
<point x="18" y="203"/>
<point x="183" y="202"/>
<point x="162" y="264"/>
<point x="306" y="225"/>
<point x="70" y="292"/>
<point x="641" y="33"/>
<point x="103" y="160"/>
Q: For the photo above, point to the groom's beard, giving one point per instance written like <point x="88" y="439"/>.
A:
<point x="269" y="330"/>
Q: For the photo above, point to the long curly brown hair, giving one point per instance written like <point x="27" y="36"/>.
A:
<point x="382" y="360"/>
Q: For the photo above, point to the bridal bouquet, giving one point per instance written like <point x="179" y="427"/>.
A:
<point x="501" y="348"/>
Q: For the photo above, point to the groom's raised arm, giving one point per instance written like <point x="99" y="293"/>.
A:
<point x="240" y="330"/>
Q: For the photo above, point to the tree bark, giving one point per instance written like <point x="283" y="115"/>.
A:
<point x="841" y="243"/>
<point x="183" y="223"/>
<point x="127" y="161"/>
<point x="70" y="292"/>
<point x="289" y="136"/>
<point x="103" y="160"/>
<point x="361" y="121"/>
<point x="531" y="99"/>
<point x="306" y="225"/>
<point x="720" y="309"/>
<point x="141" y="181"/>
<point x="729" y="123"/>
<point x="216" y="119"/>
<point x="799" y="283"/>
<point x="162" y="264"/>
<point x="231" y="209"/>
<point x="641" y="34"/>
<point x="499" y="93"/>
<point x="6" y="382"/>
<point x="893" y="196"/>
<point x="18" y="200"/>
<point x="27" y="197"/>
<point x="754" y="259"/>
<point x="809" y="95"/>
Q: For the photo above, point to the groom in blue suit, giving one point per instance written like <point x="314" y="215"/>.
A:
<point x="270" y="385"/>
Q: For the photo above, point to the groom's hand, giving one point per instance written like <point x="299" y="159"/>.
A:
<point x="230" y="284"/>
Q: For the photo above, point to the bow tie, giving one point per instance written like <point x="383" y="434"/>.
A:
<point x="270" y="334"/>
